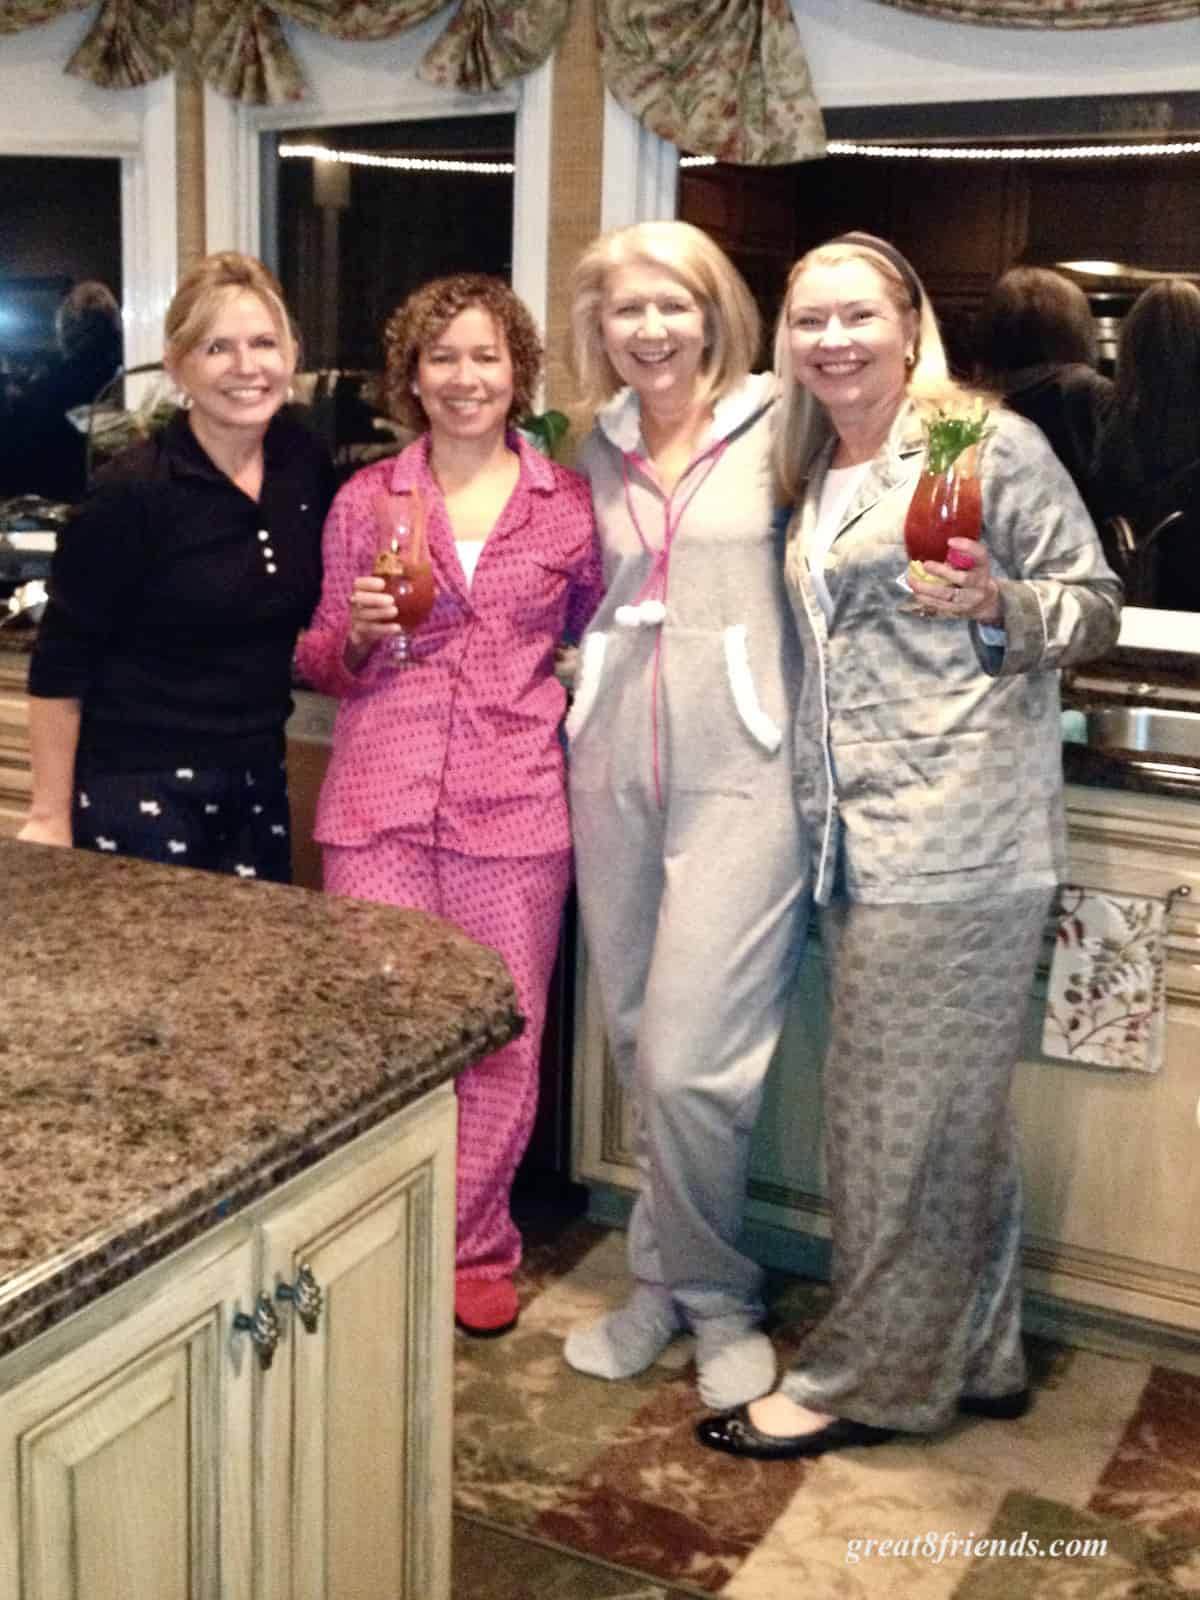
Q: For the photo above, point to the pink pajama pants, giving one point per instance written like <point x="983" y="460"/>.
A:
<point x="514" y="905"/>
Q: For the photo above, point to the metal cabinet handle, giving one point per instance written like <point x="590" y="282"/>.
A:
<point x="305" y="1294"/>
<point x="263" y="1328"/>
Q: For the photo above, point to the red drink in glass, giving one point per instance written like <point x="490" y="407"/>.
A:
<point x="410" y="585"/>
<point x="945" y="505"/>
<point x="402" y="560"/>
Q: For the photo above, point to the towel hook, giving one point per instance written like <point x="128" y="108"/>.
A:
<point x="1180" y="892"/>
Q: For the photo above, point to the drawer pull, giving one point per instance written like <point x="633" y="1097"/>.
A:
<point x="263" y="1328"/>
<point x="305" y="1294"/>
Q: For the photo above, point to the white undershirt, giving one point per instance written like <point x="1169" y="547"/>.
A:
<point x="839" y="488"/>
<point x="468" y="556"/>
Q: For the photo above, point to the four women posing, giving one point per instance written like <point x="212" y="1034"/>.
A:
<point x="760" y="722"/>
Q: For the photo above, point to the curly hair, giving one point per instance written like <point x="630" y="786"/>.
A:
<point x="207" y="288"/>
<point x="428" y="312"/>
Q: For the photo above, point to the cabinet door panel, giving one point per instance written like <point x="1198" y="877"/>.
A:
<point x="115" y="1475"/>
<point x="133" y="1452"/>
<point x="350" y="1407"/>
<point x="364" y="1444"/>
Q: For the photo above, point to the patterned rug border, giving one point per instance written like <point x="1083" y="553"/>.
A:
<point x="670" y="1586"/>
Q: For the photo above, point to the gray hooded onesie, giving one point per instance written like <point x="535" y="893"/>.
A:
<point x="690" y="859"/>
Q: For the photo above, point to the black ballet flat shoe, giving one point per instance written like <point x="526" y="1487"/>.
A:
<point x="996" y="1407"/>
<point x="735" y="1435"/>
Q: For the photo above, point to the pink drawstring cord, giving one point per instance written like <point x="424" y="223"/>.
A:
<point x="657" y="579"/>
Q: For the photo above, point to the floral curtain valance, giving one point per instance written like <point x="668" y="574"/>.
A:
<point x="725" y="78"/>
<point x="487" y="43"/>
<point x="1053" y="13"/>
<point x="719" y="77"/>
<point x="242" y="50"/>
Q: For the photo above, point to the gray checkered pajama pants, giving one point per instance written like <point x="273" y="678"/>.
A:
<point x="924" y="1185"/>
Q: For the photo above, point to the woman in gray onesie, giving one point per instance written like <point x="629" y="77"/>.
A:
<point x="689" y="856"/>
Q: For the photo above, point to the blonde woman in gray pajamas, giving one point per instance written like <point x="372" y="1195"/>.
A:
<point x="929" y="771"/>
<point x="688" y="849"/>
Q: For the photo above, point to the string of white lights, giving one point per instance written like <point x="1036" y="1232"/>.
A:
<point x="1010" y="152"/>
<point x="1001" y="152"/>
<point x="835" y="147"/>
<point x="368" y="158"/>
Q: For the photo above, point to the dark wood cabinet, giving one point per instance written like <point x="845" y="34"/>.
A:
<point x="962" y="223"/>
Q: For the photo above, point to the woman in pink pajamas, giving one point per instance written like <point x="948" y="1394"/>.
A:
<point x="445" y="789"/>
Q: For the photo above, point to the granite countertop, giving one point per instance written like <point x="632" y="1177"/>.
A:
<point x="177" y="1043"/>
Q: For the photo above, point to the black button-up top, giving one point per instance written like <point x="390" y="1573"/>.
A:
<point x="175" y="601"/>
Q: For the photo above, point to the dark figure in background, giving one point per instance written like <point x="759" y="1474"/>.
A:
<point x="43" y="453"/>
<point x="1037" y="346"/>
<point x="1148" y="467"/>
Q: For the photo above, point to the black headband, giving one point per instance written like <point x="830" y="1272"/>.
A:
<point x="889" y="253"/>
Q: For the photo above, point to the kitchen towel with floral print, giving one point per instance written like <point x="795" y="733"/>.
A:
<point x="1106" y="1004"/>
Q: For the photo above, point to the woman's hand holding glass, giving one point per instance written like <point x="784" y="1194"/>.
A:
<point x="402" y="564"/>
<point x="961" y="587"/>
<point x="945" y="519"/>
<point x="388" y="604"/>
<point x="372" y="618"/>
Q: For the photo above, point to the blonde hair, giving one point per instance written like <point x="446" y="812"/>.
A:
<point x="731" y="319"/>
<point x="208" y="287"/>
<point x="804" y="424"/>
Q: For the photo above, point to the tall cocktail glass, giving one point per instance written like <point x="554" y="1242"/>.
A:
<point x="947" y="502"/>
<point x="402" y="561"/>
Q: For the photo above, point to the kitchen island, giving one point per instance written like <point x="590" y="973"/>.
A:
<point x="226" y="1232"/>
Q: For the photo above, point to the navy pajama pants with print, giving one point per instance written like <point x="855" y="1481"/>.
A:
<point x="222" y="819"/>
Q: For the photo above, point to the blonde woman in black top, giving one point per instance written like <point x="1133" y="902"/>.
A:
<point x="160" y="681"/>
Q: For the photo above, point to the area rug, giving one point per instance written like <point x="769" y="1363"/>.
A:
<point x="567" y="1486"/>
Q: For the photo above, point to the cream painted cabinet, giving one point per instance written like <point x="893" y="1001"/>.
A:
<point x="151" y="1450"/>
<point x="15" y="779"/>
<point x="356" y="1427"/>
<point x="128" y="1457"/>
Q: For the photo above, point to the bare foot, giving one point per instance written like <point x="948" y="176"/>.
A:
<point x="776" y="1414"/>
